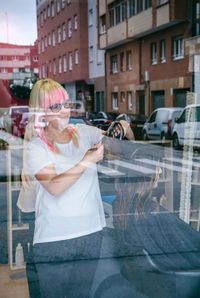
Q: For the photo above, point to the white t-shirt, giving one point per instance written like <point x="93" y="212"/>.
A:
<point x="79" y="210"/>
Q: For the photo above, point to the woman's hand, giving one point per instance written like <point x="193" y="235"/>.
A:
<point x="93" y="155"/>
<point x="127" y="130"/>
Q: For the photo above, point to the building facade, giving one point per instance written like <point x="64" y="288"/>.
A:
<point x="63" y="46"/>
<point x="18" y="63"/>
<point x="96" y="58"/>
<point x="146" y="64"/>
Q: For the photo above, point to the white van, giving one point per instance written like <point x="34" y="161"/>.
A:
<point x="186" y="130"/>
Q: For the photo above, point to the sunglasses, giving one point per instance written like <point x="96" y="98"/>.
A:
<point x="58" y="106"/>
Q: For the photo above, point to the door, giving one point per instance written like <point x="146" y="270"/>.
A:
<point x="98" y="101"/>
<point x="151" y="126"/>
<point x="158" y="99"/>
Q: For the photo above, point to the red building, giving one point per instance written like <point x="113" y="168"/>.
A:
<point x="146" y="64"/>
<point x="63" y="44"/>
<point x="18" y="63"/>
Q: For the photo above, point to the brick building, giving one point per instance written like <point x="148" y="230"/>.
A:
<point x="146" y="65"/>
<point x="63" y="45"/>
<point x="18" y="63"/>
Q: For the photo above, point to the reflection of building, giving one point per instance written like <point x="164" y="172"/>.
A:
<point x="63" y="45"/>
<point x="96" y="58"/>
<point x="146" y="66"/>
<point x="18" y="63"/>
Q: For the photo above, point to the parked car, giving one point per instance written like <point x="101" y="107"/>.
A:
<point x="160" y="124"/>
<point x="12" y="119"/>
<point x="187" y="127"/>
<point x="136" y="122"/>
<point x="101" y="119"/>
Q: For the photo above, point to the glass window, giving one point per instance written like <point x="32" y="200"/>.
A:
<point x="122" y="62"/>
<point x="76" y="57"/>
<point x="90" y="17"/>
<point x="54" y="38"/>
<point x="70" y="61"/>
<point x="103" y="24"/>
<point x="154" y="53"/>
<point x="45" y="41"/>
<point x="152" y="117"/>
<point x="162" y="51"/>
<point x="64" y="31"/>
<point x="54" y="66"/>
<point x="130" y="104"/>
<point x="115" y="101"/>
<point x="58" y="6"/>
<point x="182" y="117"/>
<point x="64" y="63"/>
<point x="63" y="4"/>
<point x="123" y="99"/>
<point x="69" y="23"/>
<point x="178" y="50"/>
<point x="117" y="13"/>
<point x="75" y="22"/>
<point x="52" y="9"/>
<point x="129" y="60"/>
<point x="91" y="53"/>
<point x="59" y="35"/>
<point x="60" y="65"/>
<point x="114" y="64"/>
<point x="48" y="11"/>
<point x="49" y="39"/>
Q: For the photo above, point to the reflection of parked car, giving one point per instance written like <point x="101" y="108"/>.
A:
<point x="12" y="119"/>
<point x="187" y="127"/>
<point x="76" y="120"/>
<point x="101" y="120"/>
<point x="136" y="122"/>
<point x="160" y="123"/>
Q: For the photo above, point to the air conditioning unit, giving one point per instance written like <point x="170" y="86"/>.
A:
<point x="146" y="76"/>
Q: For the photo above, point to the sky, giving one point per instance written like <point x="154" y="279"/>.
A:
<point x="20" y="15"/>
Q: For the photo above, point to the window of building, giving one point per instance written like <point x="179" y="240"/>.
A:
<point x="52" y="9"/>
<point x="99" y="56"/>
<point x="162" y="51"/>
<point x="129" y="60"/>
<point x="64" y="63"/>
<point x="48" y="11"/>
<point x="41" y="19"/>
<point x="115" y="101"/>
<point x="195" y="18"/>
<point x="154" y="53"/>
<point x="160" y="2"/>
<point x="63" y="4"/>
<point x="129" y="93"/>
<point x="27" y="58"/>
<point x="103" y="24"/>
<point x="64" y="31"/>
<point x="35" y="58"/>
<point x="122" y="62"/>
<point x="76" y="56"/>
<point x="54" y="66"/>
<point x="38" y="21"/>
<point x="59" y="35"/>
<point x="90" y="17"/>
<point x="44" y="70"/>
<point x="58" y="6"/>
<point x="45" y="14"/>
<point x="45" y="41"/>
<point x="91" y="53"/>
<point x="75" y="22"/>
<point x="114" y="64"/>
<point x="42" y="45"/>
<point x="136" y="6"/>
<point x="116" y="13"/>
<point x="70" y="61"/>
<point x="123" y="99"/>
<point x="178" y="50"/>
<point x="4" y="70"/>
<point x="68" y="1"/>
<point x="60" y="65"/>
<point x="53" y="38"/>
<point x="49" y="39"/>
<point x="69" y="28"/>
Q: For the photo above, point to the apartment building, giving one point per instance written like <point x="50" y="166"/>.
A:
<point x="146" y="63"/>
<point x="96" y="59"/>
<point x="18" y="63"/>
<point x="63" y="45"/>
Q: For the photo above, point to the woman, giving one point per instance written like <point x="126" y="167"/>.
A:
<point x="60" y="160"/>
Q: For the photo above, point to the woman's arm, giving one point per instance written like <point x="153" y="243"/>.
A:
<point x="127" y="130"/>
<point x="57" y="184"/>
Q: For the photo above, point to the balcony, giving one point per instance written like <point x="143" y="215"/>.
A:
<point x="117" y="33"/>
<point x="163" y="15"/>
<point x="140" y="23"/>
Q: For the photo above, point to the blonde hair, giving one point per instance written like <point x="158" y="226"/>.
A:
<point x="45" y="93"/>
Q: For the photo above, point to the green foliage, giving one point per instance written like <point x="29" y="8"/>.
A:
<point x="20" y="91"/>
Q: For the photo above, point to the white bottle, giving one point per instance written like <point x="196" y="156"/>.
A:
<point x="19" y="255"/>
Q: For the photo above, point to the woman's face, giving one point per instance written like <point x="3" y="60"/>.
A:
<point x="58" y="115"/>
